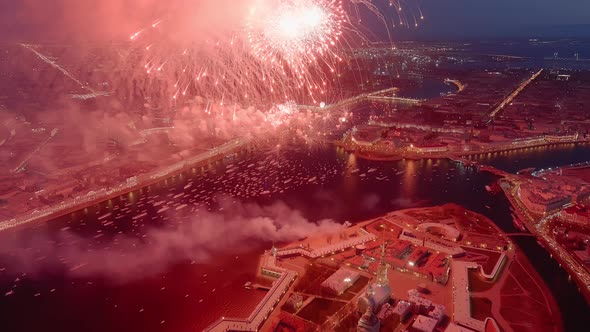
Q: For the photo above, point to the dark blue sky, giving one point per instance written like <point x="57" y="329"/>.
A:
<point x="30" y="19"/>
<point x="459" y="18"/>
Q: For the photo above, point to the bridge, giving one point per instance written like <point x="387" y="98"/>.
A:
<point x="481" y="168"/>
<point x="91" y="95"/>
<point x="156" y="130"/>
<point x="21" y="166"/>
<point x="464" y="161"/>
<point x="50" y="61"/>
<point x="394" y="99"/>
<point x="511" y="96"/>
<point x="493" y="170"/>
<point x="460" y="86"/>
<point x="382" y="95"/>
<point x="372" y="96"/>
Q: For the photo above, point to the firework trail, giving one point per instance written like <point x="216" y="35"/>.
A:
<point x="262" y="52"/>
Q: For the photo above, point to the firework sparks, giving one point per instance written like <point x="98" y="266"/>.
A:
<point x="266" y="52"/>
<point x="296" y="35"/>
<point x="281" y="113"/>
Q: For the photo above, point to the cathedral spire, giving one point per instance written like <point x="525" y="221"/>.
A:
<point x="273" y="250"/>
<point x="382" y="279"/>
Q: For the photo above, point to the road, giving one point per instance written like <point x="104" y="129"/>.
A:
<point x="513" y="95"/>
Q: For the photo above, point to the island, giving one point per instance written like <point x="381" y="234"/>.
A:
<point x="440" y="268"/>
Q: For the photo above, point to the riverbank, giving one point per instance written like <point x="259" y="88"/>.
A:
<point x="374" y="155"/>
<point x="540" y="225"/>
<point x="141" y="181"/>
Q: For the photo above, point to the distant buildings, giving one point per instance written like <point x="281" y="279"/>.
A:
<point x="423" y="324"/>
<point x="541" y="199"/>
<point x="420" y="305"/>
<point x="553" y="192"/>
<point x="366" y="135"/>
<point x="577" y="214"/>
<point x="401" y="312"/>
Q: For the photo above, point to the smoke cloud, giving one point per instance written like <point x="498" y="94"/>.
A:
<point x="236" y="228"/>
<point x="111" y="20"/>
<point x="370" y="201"/>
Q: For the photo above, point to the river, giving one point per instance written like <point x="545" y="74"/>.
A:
<point x="174" y="256"/>
<point x="185" y="294"/>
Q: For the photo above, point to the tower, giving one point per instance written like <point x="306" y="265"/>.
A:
<point x="273" y="250"/>
<point x="382" y="279"/>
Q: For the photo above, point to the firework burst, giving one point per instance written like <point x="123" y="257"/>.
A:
<point x="297" y="37"/>
<point x="265" y="52"/>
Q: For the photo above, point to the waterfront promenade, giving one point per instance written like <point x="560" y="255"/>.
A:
<point x="134" y="183"/>
<point x="386" y="152"/>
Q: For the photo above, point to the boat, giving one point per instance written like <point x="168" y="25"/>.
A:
<point x="248" y="285"/>
<point x="141" y="215"/>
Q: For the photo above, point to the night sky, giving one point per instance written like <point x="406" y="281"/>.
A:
<point x="457" y="18"/>
<point x="102" y="19"/>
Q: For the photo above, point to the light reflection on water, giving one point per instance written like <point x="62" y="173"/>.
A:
<point x="340" y="197"/>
